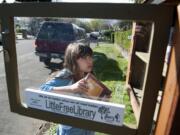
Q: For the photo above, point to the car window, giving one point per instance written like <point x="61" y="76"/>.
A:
<point x="56" y="32"/>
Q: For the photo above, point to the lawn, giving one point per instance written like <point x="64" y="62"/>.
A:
<point x="121" y="38"/>
<point x="110" y="67"/>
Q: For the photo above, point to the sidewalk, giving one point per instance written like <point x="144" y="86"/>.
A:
<point x="20" y="37"/>
<point x="1" y="48"/>
<point x="15" y="124"/>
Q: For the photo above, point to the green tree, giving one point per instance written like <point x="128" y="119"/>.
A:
<point x="139" y="1"/>
<point x="18" y="28"/>
<point x="96" y="24"/>
<point x="85" y="24"/>
<point x="123" y="25"/>
<point x="34" y="24"/>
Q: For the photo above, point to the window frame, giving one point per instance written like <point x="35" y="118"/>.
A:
<point x="153" y="13"/>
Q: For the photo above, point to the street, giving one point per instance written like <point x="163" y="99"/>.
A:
<point x="32" y="73"/>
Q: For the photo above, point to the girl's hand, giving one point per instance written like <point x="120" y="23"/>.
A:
<point x="106" y="98"/>
<point x="79" y="87"/>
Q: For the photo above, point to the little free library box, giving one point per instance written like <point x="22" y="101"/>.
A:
<point x="95" y="110"/>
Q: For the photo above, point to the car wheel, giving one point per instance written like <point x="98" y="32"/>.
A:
<point x="47" y="62"/>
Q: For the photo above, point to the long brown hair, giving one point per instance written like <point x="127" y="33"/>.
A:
<point x="73" y="52"/>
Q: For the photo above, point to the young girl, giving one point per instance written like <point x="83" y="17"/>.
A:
<point x="77" y="63"/>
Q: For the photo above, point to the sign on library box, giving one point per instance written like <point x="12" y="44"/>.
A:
<point x="104" y="112"/>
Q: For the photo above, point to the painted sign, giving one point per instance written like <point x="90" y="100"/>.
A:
<point x="100" y="111"/>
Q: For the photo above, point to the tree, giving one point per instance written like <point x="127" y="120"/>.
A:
<point x="86" y="25"/>
<point x="34" y="25"/>
<point x="96" y="24"/>
<point x="123" y="25"/>
<point x="139" y="1"/>
<point x="103" y="110"/>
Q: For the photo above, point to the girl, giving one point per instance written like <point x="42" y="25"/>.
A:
<point x="77" y="63"/>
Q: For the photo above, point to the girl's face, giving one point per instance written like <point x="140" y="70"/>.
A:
<point x="85" y="64"/>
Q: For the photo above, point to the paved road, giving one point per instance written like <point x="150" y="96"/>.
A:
<point x="31" y="74"/>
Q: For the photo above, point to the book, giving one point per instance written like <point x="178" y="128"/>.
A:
<point x="96" y="88"/>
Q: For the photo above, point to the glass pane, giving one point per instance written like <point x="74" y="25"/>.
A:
<point x="99" y="76"/>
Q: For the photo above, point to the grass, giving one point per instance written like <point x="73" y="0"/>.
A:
<point x="121" y="38"/>
<point x="52" y="129"/>
<point x="110" y="68"/>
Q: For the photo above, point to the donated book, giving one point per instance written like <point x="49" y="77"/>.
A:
<point x="96" y="88"/>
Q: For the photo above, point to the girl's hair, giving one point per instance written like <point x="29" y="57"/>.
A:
<point x="73" y="52"/>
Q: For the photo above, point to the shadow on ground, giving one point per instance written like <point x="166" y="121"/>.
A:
<point x="106" y="69"/>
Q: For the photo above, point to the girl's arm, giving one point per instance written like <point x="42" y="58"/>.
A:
<point x="62" y="89"/>
<point x="49" y="86"/>
<point x="78" y="87"/>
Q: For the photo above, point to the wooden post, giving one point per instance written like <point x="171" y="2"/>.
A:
<point x="167" y="120"/>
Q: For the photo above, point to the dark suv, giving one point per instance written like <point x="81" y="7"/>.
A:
<point x="53" y="39"/>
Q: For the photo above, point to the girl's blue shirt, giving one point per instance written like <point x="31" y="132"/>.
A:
<point x="64" y="78"/>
